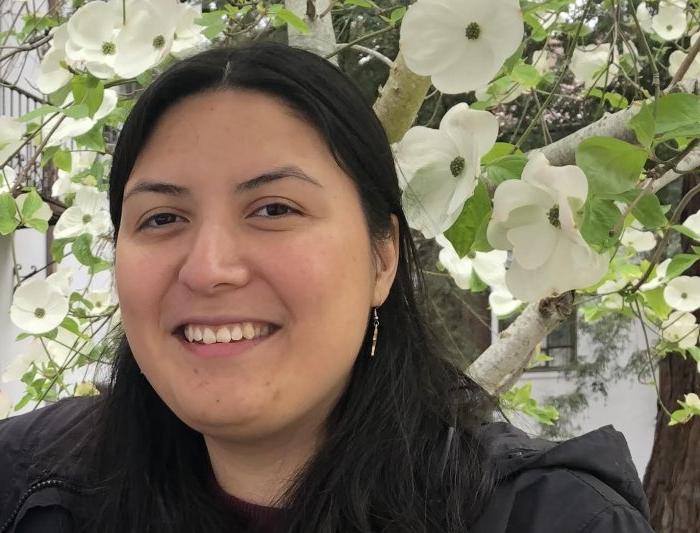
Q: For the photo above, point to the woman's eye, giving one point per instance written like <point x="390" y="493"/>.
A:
<point x="159" y="220"/>
<point x="275" y="211"/>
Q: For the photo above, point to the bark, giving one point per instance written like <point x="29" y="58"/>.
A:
<point x="400" y="100"/>
<point x="672" y="479"/>
<point x="504" y="361"/>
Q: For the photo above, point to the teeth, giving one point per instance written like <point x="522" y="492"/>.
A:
<point x="248" y="331"/>
<point x="209" y="336"/>
<point x="223" y="334"/>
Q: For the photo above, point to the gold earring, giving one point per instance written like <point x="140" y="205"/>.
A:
<point x="375" y="334"/>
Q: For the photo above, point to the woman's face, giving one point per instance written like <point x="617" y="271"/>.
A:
<point x="237" y="221"/>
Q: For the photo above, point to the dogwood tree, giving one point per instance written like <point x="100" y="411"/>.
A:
<point x="577" y="223"/>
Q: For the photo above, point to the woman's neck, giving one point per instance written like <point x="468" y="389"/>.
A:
<point x="260" y="471"/>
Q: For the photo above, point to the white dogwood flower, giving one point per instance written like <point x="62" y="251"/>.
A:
<point x="489" y="266"/>
<point x="80" y="160"/>
<point x="682" y="328"/>
<point x="644" y="17"/>
<point x="38" y="306"/>
<point x="73" y="127"/>
<point x="188" y="34"/>
<point x="588" y="63"/>
<point x="88" y="214"/>
<point x="537" y="218"/>
<point x="147" y="36"/>
<point x="683" y="293"/>
<point x="438" y="168"/>
<point x="8" y="179"/>
<point x="692" y="400"/>
<point x="66" y="347"/>
<point x="33" y="353"/>
<point x="637" y="239"/>
<point x="460" y="44"/>
<point x="53" y="73"/>
<point x="92" y="33"/>
<point x="670" y="21"/>
<point x="11" y="132"/>
<point x="677" y="57"/>
<point x="659" y="276"/>
<point x="62" y="279"/>
<point x="502" y="302"/>
<point x="693" y="223"/>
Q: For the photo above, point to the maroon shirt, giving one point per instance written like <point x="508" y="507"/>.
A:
<point x="260" y="518"/>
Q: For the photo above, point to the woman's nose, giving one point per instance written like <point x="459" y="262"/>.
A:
<point x="214" y="260"/>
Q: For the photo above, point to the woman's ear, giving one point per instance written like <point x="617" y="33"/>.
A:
<point x="388" y="260"/>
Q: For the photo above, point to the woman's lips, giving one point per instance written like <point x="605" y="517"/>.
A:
<point x="221" y="349"/>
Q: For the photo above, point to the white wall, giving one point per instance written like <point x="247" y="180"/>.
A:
<point x="630" y="406"/>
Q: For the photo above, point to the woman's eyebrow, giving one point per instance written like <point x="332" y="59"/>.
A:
<point x="161" y="187"/>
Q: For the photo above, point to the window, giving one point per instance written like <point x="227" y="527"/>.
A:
<point x="560" y="345"/>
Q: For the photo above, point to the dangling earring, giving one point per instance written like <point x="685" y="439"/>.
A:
<point x="375" y="334"/>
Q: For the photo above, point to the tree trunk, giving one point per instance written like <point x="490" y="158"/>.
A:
<point x="672" y="479"/>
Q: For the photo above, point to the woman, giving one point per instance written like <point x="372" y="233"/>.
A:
<point x="275" y="373"/>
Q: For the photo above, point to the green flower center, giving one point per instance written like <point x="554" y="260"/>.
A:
<point x="553" y="216"/>
<point x="684" y="295"/>
<point x="109" y="48"/>
<point x="473" y="31"/>
<point x="158" y="42"/>
<point x="39" y="312"/>
<point x="669" y="27"/>
<point x="457" y="166"/>
<point x="86" y="219"/>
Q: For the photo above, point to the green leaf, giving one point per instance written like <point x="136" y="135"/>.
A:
<point x="93" y="139"/>
<point x="397" y="14"/>
<point x="62" y="160"/>
<point x="614" y="99"/>
<point x="81" y="249"/>
<point x="32" y="203"/>
<point x="694" y="352"/>
<point x="643" y="126"/>
<point x="655" y="300"/>
<point x="647" y="209"/>
<point x="676" y="112"/>
<point x="464" y="231"/>
<point x="508" y="167"/>
<point x="83" y="253"/>
<point x="8" y="214"/>
<point x="611" y="166"/>
<point x="88" y="91"/>
<point x="291" y="19"/>
<point x="686" y="231"/>
<point x="77" y="111"/>
<point x="72" y="326"/>
<point x="58" y="249"/>
<point x="679" y="264"/>
<point x="39" y="112"/>
<point x="526" y="75"/>
<point x="38" y="224"/>
<point x="500" y="149"/>
<point x="600" y="217"/>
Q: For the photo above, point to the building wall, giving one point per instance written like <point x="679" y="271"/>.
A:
<point x="630" y="406"/>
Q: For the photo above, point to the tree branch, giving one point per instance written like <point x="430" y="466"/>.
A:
<point x="505" y="360"/>
<point x="400" y="99"/>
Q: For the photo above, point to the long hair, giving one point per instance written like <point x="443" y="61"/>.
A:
<point x="401" y="452"/>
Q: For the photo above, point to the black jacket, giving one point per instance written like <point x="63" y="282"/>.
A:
<point x="585" y="485"/>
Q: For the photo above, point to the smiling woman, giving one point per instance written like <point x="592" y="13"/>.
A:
<point x="275" y="372"/>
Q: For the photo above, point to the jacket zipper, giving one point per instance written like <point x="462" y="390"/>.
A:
<point x="31" y="490"/>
